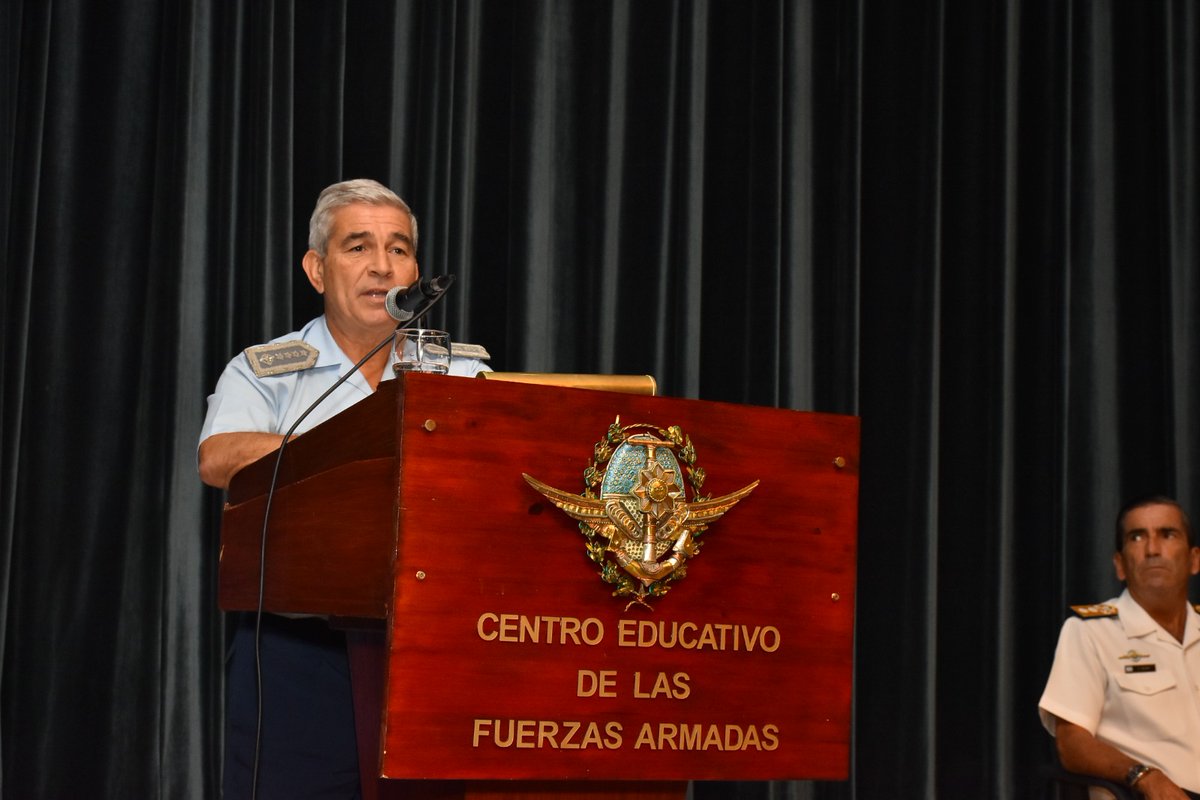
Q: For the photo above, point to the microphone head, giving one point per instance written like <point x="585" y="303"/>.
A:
<point x="402" y="302"/>
<point x="392" y="304"/>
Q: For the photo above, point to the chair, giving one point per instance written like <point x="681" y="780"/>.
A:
<point x="1064" y="785"/>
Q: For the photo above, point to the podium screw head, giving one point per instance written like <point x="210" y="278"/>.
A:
<point x="420" y="574"/>
<point x="430" y="425"/>
<point x="839" y="462"/>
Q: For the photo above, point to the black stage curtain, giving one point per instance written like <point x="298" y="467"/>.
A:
<point x="972" y="223"/>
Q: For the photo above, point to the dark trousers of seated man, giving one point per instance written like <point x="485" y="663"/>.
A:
<point x="308" y="746"/>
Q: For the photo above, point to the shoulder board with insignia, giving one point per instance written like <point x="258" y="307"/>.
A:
<point x="1096" y="610"/>
<point x="461" y="350"/>
<point x="280" y="358"/>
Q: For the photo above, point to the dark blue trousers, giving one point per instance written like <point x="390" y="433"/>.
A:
<point x="308" y="740"/>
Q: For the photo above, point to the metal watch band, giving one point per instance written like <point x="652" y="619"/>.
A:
<point x="1136" y="773"/>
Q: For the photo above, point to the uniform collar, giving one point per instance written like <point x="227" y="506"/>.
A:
<point x="330" y="355"/>
<point x="1137" y="622"/>
<point x="1133" y="617"/>
<point x="1191" y="632"/>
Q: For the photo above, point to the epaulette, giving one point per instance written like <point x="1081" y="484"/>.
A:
<point x="280" y="358"/>
<point x="461" y="350"/>
<point x="1096" y="610"/>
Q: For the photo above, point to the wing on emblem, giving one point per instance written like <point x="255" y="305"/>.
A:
<point x="576" y="506"/>
<point x="707" y="511"/>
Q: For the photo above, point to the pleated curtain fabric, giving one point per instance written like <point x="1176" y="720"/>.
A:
<point x="973" y="224"/>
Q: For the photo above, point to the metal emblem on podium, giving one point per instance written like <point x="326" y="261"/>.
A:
<point x="634" y="512"/>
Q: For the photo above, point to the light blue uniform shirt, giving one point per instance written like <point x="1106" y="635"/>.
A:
<point x="244" y="402"/>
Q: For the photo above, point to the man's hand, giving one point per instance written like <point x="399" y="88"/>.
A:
<point x="1080" y="751"/>
<point x="223" y="454"/>
<point x="1155" y="785"/>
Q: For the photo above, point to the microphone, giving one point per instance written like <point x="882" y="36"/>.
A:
<point x="404" y="302"/>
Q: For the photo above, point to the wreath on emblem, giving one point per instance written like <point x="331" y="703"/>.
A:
<point x="639" y="526"/>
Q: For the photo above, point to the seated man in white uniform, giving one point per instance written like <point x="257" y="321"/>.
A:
<point x="362" y="243"/>
<point x="1123" y="698"/>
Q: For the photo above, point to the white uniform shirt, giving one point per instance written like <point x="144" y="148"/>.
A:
<point x="242" y="401"/>
<point x="1131" y="684"/>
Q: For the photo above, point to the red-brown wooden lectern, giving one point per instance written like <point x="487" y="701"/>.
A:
<point x="503" y="660"/>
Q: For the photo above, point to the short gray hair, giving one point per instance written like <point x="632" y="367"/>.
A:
<point x="359" y="190"/>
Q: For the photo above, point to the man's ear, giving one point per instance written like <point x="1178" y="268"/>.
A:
<point x="1119" y="565"/>
<point x="314" y="268"/>
<point x="1196" y="560"/>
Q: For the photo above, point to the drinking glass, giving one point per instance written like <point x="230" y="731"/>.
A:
<point x="422" y="350"/>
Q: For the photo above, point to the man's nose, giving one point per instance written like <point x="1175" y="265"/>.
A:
<point x="1153" y="544"/>
<point x="382" y="265"/>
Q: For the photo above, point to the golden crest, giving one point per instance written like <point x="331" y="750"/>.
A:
<point x="634" y="512"/>
<point x="1095" y="610"/>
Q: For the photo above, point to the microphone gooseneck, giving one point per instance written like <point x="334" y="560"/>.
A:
<point x="262" y="555"/>
<point x="406" y="305"/>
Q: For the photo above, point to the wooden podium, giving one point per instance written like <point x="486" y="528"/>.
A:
<point x="494" y="660"/>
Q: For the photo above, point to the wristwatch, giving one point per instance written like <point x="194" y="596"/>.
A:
<point x="1136" y="773"/>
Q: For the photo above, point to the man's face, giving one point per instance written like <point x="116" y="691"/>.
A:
<point x="1155" y="556"/>
<point x="370" y="251"/>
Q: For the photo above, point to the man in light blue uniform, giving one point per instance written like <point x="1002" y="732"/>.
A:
<point x="243" y="401"/>
<point x="362" y="243"/>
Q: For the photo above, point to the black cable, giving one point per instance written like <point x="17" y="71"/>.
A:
<point x="262" y="552"/>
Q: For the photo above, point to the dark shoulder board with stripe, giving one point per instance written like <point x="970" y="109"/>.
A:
<point x="1095" y="610"/>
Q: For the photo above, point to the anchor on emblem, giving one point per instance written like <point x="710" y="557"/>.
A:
<point x="640" y="527"/>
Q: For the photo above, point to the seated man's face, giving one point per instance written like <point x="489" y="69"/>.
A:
<point x="1155" y="555"/>
<point x="370" y="251"/>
